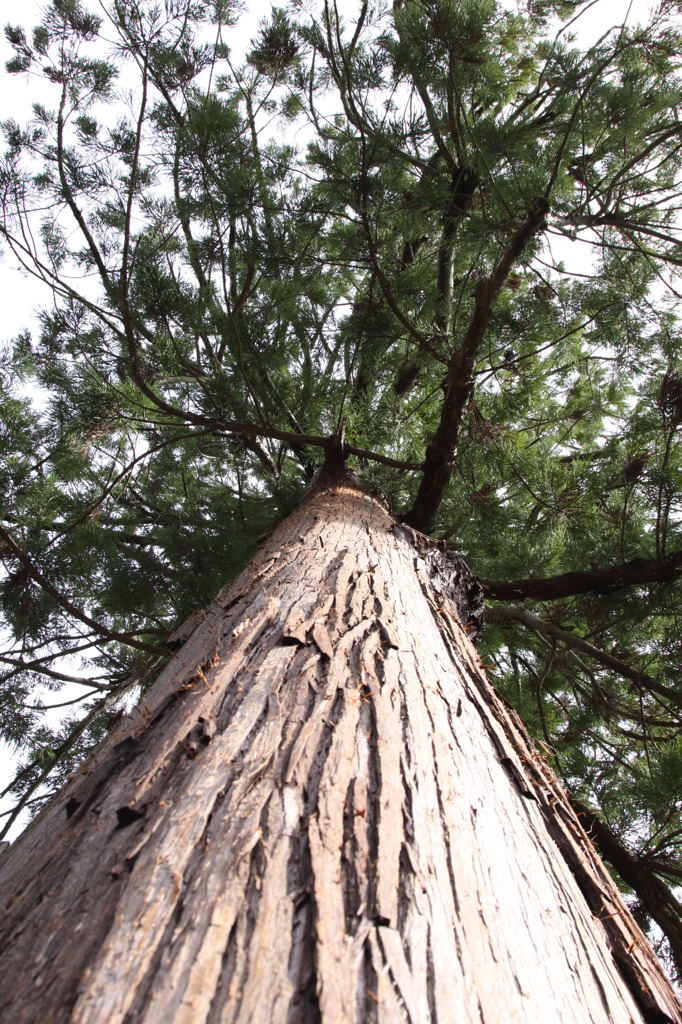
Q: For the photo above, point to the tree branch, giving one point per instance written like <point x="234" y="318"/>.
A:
<point x="513" y="613"/>
<point x="638" y="572"/>
<point x="63" y="602"/>
<point x="441" y="451"/>
<point x="65" y="747"/>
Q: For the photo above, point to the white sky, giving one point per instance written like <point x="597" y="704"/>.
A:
<point x="20" y="295"/>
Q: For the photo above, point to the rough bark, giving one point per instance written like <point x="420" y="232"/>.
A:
<point x="654" y="895"/>
<point x="321" y="812"/>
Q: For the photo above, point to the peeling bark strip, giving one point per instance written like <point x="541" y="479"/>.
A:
<point x="321" y="813"/>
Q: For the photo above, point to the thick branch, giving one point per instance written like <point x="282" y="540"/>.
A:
<point x="638" y="572"/>
<point x="513" y="613"/>
<point x="384" y="460"/>
<point x="441" y="451"/>
<point x="463" y="186"/>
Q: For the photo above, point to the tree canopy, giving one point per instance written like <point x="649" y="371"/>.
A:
<point x="441" y="238"/>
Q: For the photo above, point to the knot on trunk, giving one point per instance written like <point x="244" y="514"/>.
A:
<point x="450" y="575"/>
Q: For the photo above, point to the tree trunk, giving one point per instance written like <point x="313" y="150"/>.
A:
<point x="322" y="812"/>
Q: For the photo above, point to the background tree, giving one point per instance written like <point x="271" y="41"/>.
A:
<point x="383" y="271"/>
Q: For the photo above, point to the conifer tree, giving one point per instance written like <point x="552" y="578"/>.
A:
<point x="437" y="243"/>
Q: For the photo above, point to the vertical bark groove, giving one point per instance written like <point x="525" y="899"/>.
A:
<point x="330" y="817"/>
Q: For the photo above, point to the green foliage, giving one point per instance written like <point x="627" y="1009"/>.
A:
<point x="246" y="258"/>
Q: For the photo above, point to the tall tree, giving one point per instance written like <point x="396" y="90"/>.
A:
<point x="228" y="313"/>
<point x="322" y="812"/>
